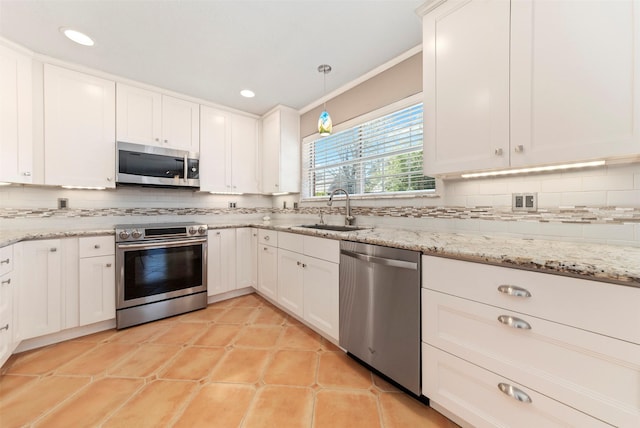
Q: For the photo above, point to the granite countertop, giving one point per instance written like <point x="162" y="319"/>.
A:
<point x="608" y="263"/>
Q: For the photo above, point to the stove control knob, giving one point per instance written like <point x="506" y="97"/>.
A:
<point x="202" y="230"/>
<point x="124" y="234"/>
<point x="135" y="234"/>
<point x="192" y="230"/>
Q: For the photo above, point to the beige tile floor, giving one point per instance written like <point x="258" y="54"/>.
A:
<point x="238" y="363"/>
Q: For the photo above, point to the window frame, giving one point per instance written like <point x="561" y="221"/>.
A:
<point x="351" y="123"/>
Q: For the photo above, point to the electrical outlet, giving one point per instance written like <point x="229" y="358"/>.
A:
<point x="63" y="203"/>
<point x="232" y="205"/>
<point x="527" y="202"/>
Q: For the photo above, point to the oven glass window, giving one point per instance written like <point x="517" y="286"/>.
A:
<point x="154" y="271"/>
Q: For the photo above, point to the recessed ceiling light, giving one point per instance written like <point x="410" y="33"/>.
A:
<point x="247" y="93"/>
<point x="77" y="36"/>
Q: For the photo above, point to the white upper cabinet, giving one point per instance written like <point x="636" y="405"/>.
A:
<point x="528" y="82"/>
<point x="16" y="122"/>
<point x="575" y="80"/>
<point x="281" y="151"/>
<point x="228" y="152"/>
<point x="148" y="117"/>
<point x="79" y="128"/>
<point x="466" y="86"/>
<point x="139" y="115"/>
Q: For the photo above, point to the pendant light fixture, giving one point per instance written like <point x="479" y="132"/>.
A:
<point x="324" y="121"/>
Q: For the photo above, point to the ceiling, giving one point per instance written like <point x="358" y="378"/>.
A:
<point x="212" y="49"/>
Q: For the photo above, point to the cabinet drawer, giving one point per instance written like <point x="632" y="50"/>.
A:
<point x="6" y="259"/>
<point x="473" y="394"/>
<point x="268" y="237"/>
<point x="322" y="248"/>
<point x="603" y="308"/>
<point x="554" y="359"/>
<point x="291" y="241"/>
<point x="95" y="246"/>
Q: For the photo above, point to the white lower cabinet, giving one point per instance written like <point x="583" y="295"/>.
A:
<point x="473" y="394"/>
<point x="290" y="281"/>
<point x="221" y="261"/>
<point x="246" y="257"/>
<point x="308" y="279"/>
<point x="8" y="284"/>
<point x="40" y="307"/>
<point x="486" y="327"/>
<point x="97" y="288"/>
<point x="268" y="270"/>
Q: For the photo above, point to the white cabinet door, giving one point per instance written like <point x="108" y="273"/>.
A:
<point x="290" y="281"/>
<point x="321" y="295"/>
<point x="7" y="285"/>
<point x="180" y="124"/>
<point x="466" y="86"/>
<point x="574" y="80"/>
<point x="244" y="149"/>
<point x="16" y="117"/>
<point x="246" y="257"/>
<point x="97" y="295"/>
<point x="215" y="150"/>
<point x="221" y="263"/>
<point x="139" y="115"/>
<point x="281" y="151"/>
<point x="40" y="307"/>
<point x="79" y="128"/>
<point x="268" y="271"/>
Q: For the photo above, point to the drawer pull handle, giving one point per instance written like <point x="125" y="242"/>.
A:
<point x="265" y="248"/>
<point x="266" y="238"/>
<point x="513" y="392"/>
<point x="53" y="250"/>
<point x="6" y="327"/>
<point x="514" y="322"/>
<point x="97" y="246"/>
<point x="6" y="281"/>
<point x="5" y="261"/>
<point x="512" y="290"/>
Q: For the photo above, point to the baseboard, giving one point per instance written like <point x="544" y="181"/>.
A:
<point x="61" y="336"/>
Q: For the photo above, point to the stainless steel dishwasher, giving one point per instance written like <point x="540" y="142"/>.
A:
<point x="380" y="309"/>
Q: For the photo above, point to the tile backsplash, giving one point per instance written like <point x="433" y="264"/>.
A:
<point x="595" y="205"/>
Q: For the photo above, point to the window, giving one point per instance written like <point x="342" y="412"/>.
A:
<point x="383" y="155"/>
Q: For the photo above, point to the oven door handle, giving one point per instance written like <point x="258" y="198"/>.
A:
<point x="148" y="245"/>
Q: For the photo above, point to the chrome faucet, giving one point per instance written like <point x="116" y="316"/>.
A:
<point x="349" y="219"/>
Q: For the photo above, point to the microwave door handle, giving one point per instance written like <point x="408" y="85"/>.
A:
<point x="186" y="167"/>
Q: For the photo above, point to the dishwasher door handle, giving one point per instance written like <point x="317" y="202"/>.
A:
<point x="381" y="260"/>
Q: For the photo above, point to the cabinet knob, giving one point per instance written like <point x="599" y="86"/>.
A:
<point x="514" y="322"/>
<point x="166" y="141"/>
<point x="265" y="248"/>
<point x="512" y="290"/>
<point x="266" y="238"/>
<point x="6" y="281"/>
<point x="299" y="263"/>
<point x="109" y="179"/>
<point x="157" y="139"/>
<point x="498" y="152"/>
<point x="108" y="265"/>
<point x="513" y="392"/>
<point x="304" y="265"/>
<point x="5" y="261"/>
<point x="27" y="174"/>
<point x="519" y="148"/>
<point x="218" y="233"/>
<point x="53" y="250"/>
<point x="5" y="327"/>
<point x="96" y="246"/>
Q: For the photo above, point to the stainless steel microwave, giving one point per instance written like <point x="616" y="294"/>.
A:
<point x="156" y="166"/>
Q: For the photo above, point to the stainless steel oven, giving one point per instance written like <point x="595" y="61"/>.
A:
<point x="161" y="271"/>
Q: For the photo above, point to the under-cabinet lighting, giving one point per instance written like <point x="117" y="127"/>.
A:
<point x="77" y="36"/>
<point x="280" y="193"/>
<point x="2" y="183"/>
<point x="84" y="187"/>
<point x="534" y="169"/>
<point x="226" y="193"/>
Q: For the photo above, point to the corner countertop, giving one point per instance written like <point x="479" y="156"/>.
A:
<point x="607" y="263"/>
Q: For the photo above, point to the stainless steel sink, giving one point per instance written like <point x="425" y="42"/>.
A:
<point x="334" y="227"/>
